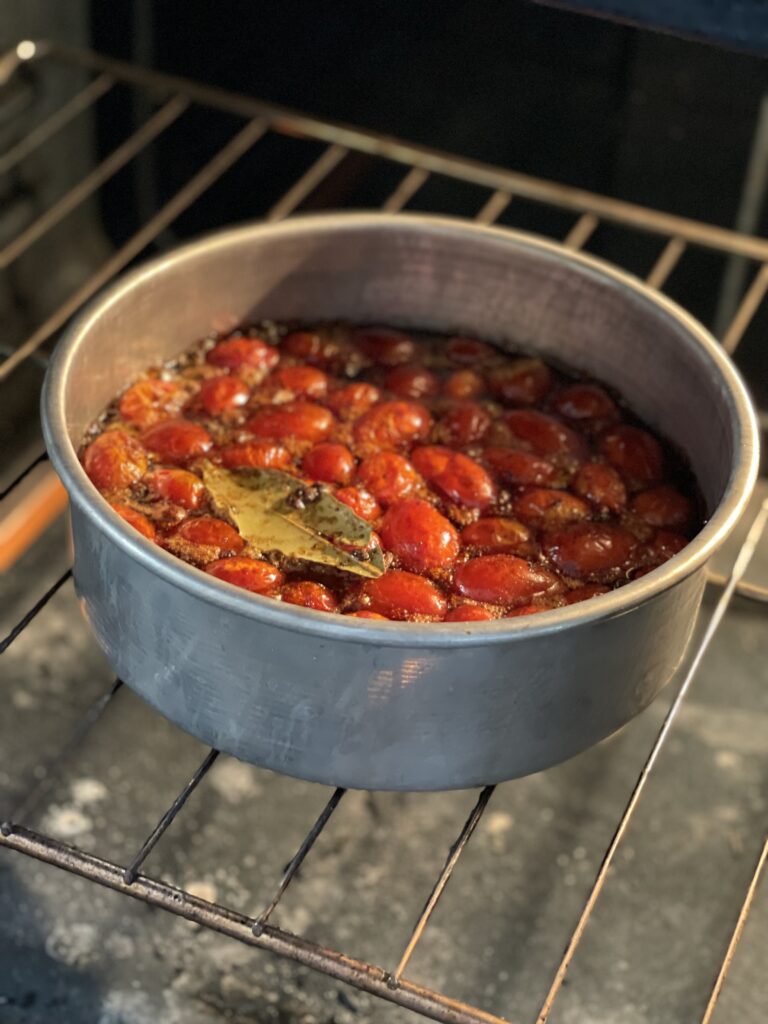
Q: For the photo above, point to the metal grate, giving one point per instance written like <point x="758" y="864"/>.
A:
<point x="677" y="236"/>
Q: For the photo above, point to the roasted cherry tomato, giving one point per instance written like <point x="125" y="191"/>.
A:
<point x="301" y="381"/>
<point x="495" y="535"/>
<point x="114" y="460"/>
<point x="464" y="384"/>
<point x="388" y="476"/>
<point x="243" y="354"/>
<point x="220" y="395"/>
<point x="210" y="532"/>
<point x="465" y="423"/>
<point x="663" y="506"/>
<point x="458" y="478"/>
<point x="332" y="463"/>
<point x="419" y="536"/>
<point x="353" y="400"/>
<point x="177" y="440"/>
<point x="586" y="592"/>
<point x="591" y="551"/>
<point x="520" y="381"/>
<point x="178" y="486"/>
<point x="664" y="544"/>
<point x="403" y="596"/>
<point x="469" y="613"/>
<point x="635" y="454"/>
<point x="150" y="401"/>
<point x="586" y="404"/>
<point x="299" y="421"/>
<point x="392" y="425"/>
<point x="540" y="507"/>
<point x="364" y="614"/>
<point x="504" y="580"/>
<point x="545" y="435"/>
<point x="412" y="382"/>
<point x="136" y="519"/>
<point x="249" y="573"/>
<point x="361" y="502"/>
<point x="309" y="594"/>
<point x="255" y="455"/>
<point x="468" y="350"/>
<point x="518" y="467"/>
<point x="602" y="485"/>
<point x="389" y="348"/>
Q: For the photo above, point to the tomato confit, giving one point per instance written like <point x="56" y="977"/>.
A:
<point x="386" y="475"/>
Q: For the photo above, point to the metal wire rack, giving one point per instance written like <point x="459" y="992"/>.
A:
<point x="677" y="235"/>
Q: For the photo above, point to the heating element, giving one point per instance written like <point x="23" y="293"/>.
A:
<point x="330" y="148"/>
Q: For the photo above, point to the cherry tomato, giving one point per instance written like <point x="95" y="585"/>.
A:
<point x="665" y="544"/>
<point x="114" y="460"/>
<point x="301" y="421"/>
<point x="586" y="592"/>
<point x="249" y="573"/>
<point x="366" y="615"/>
<point x="464" y="384"/>
<point x="517" y="467"/>
<point x="459" y="478"/>
<point x="304" y="345"/>
<point x="303" y="381"/>
<point x="403" y="596"/>
<point x="590" y="550"/>
<point x="353" y="400"/>
<point x="520" y="381"/>
<point x="545" y="435"/>
<point x="150" y="401"/>
<point x="635" y="454"/>
<point x="177" y="440"/>
<point x="243" y="354"/>
<point x="419" y="536"/>
<point x="585" y="403"/>
<point x="208" y="531"/>
<point x="255" y="455"/>
<point x="361" y="502"/>
<point x="504" y="579"/>
<point x="497" y="536"/>
<point x="469" y="613"/>
<point x="468" y="350"/>
<point x="602" y="485"/>
<point x="412" y="381"/>
<point x="219" y="395"/>
<point x="527" y="609"/>
<point x="542" y="507"/>
<point x="333" y="463"/>
<point x="136" y="520"/>
<point x="465" y="423"/>
<point x="388" y="476"/>
<point x="392" y="424"/>
<point x="389" y="348"/>
<point x="176" y="485"/>
<point x="308" y="594"/>
<point x="663" y="506"/>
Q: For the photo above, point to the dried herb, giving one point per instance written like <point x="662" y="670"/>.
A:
<point x="276" y="512"/>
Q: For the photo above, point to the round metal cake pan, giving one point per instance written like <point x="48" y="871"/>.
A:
<point x="376" y="705"/>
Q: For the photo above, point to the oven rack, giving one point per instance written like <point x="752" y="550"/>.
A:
<point x="676" y="236"/>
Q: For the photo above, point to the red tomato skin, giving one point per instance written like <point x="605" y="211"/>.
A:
<point x="365" y="614"/>
<point x="308" y="594"/>
<point x="456" y="476"/>
<point x="302" y="381"/>
<point x="419" y="536"/>
<point x="585" y="403"/>
<point x="150" y="401"/>
<point x="208" y="531"/>
<point x="388" y="476"/>
<point x="464" y="384"/>
<point x="546" y="436"/>
<point x="403" y="596"/>
<point x="663" y="507"/>
<point x="517" y="467"/>
<point x="586" y="592"/>
<point x="176" y="485"/>
<point x="520" y="381"/>
<point x="352" y="400"/>
<point x="302" y="421"/>
<point x="589" y="551"/>
<point x="544" y="507"/>
<point x="465" y="423"/>
<point x="114" y="460"/>
<point x="664" y="544"/>
<point x="469" y="613"/>
<point x="255" y="455"/>
<point x="504" y="580"/>
<point x="220" y="395"/>
<point x="243" y="354"/>
<point x="177" y="440"/>
<point x="361" y="502"/>
<point x="636" y="455"/>
<point x="249" y="573"/>
<point x="386" y="347"/>
<point x="600" y="484"/>
<point x="409" y="381"/>
<point x="331" y="463"/>
<point x="393" y="424"/>
<point x="468" y="350"/>
<point x="136" y="519"/>
<point x="496" y="536"/>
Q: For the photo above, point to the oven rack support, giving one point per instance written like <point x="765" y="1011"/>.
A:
<point x="175" y="95"/>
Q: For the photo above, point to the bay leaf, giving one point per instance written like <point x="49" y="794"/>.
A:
<point x="276" y="512"/>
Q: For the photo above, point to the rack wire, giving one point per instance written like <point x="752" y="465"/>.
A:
<point x="677" y="236"/>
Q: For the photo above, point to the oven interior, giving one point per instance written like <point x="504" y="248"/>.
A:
<point x="624" y="885"/>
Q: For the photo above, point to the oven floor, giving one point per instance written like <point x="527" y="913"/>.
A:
<point x="82" y="954"/>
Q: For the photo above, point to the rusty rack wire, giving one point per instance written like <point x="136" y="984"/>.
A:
<point x="676" y="234"/>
